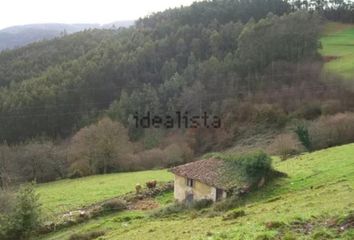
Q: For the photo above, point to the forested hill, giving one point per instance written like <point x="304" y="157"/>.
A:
<point x="18" y="36"/>
<point x="188" y="59"/>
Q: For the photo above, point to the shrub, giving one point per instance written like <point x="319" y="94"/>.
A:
<point x="227" y="204"/>
<point x="133" y="162"/>
<point x="234" y="214"/>
<point x="331" y="107"/>
<point x="169" y="210"/>
<point x="86" y="236"/>
<point x="171" y="155"/>
<point x="270" y="114"/>
<point x="253" y="166"/>
<point x="181" y="207"/>
<point x="3" y="227"/>
<point x="79" y="169"/>
<point x="329" y="131"/>
<point x="303" y="134"/>
<point x="224" y="138"/>
<point x="309" y="111"/>
<point x="6" y="202"/>
<point x="153" y="158"/>
<point x="114" y="205"/>
<point x="285" y="145"/>
<point x="26" y="217"/>
<point x="201" y="204"/>
<point x="37" y="160"/>
<point x="175" y="154"/>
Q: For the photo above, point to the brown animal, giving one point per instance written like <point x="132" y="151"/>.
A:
<point x="151" y="184"/>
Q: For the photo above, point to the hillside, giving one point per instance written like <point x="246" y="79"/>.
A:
<point x="318" y="190"/>
<point x="19" y="36"/>
<point x="338" y="50"/>
<point x="62" y="196"/>
<point x="90" y="123"/>
<point x="167" y="57"/>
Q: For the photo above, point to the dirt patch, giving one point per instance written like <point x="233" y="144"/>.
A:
<point x="145" y="204"/>
<point x="346" y="223"/>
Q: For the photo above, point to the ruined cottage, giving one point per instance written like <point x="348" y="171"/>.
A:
<point x="204" y="179"/>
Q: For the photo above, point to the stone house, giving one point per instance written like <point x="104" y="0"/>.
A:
<point x="204" y="179"/>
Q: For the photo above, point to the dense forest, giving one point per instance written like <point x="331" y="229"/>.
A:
<point x="19" y="36"/>
<point x="67" y="102"/>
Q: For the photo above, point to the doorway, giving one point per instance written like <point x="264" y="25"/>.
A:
<point x="219" y="194"/>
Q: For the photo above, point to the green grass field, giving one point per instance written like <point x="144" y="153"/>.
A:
<point x="67" y="195"/>
<point x="320" y="185"/>
<point x="338" y="49"/>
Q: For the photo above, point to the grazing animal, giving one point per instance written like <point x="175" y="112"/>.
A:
<point x="138" y="188"/>
<point x="151" y="184"/>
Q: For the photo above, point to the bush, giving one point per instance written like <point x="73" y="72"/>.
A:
<point x="309" y="111"/>
<point x="181" y="207"/>
<point x="114" y="205"/>
<point x="285" y="145"/>
<point x="303" y="134"/>
<point x="331" y="107"/>
<point x="227" y="204"/>
<point x="200" y="204"/>
<point x="171" y="155"/>
<point x="154" y="158"/>
<point x="6" y="202"/>
<point x="270" y="114"/>
<point x="86" y="236"/>
<point x="253" y="166"/>
<point x="175" y="154"/>
<point x="35" y="160"/>
<point x="26" y="217"/>
<point x="169" y="210"/>
<point x="234" y="214"/>
<point x="329" y="131"/>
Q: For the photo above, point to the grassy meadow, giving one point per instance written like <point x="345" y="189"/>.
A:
<point x="338" y="49"/>
<point x="61" y="196"/>
<point x="319" y="186"/>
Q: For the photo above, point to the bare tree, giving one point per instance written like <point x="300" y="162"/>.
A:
<point x="99" y="148"/>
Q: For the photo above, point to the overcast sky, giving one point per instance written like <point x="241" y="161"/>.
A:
<point x="21" y="12"/>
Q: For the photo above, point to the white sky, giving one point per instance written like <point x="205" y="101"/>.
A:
<point x="21" y="12"/>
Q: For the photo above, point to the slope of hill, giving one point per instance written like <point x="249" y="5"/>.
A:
<point x="311" y="203"/>
<point x="65" y="195"/>
<point x="171" y="56"/>
<point x="338" y="49"/>
<point x="18" y="36"/>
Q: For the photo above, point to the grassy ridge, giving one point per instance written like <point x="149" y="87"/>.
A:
<point x="67" y="195"/>
<point x="338" y="49"/>
<point x="320" y="184"/>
